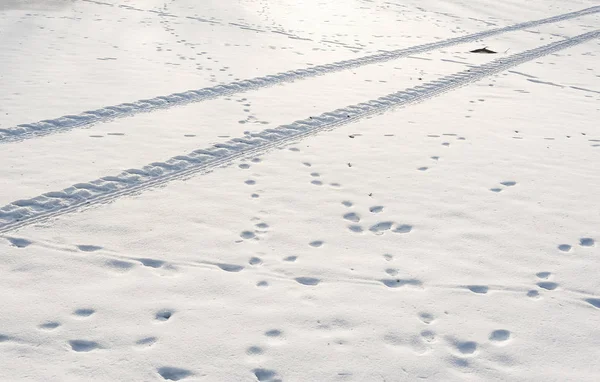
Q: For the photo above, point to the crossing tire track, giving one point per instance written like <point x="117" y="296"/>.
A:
<point x="90" y="117"/>
<point x="25" y="212"/>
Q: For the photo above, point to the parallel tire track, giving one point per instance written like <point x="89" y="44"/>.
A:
<point x="25" y="212"/>
<point x="87" y="118"/>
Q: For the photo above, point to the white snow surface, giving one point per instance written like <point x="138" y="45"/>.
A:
<point x="279" y="190"/>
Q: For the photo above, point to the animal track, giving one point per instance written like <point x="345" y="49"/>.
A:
<point x="355" y="228"/>
<point x="316" y="243"/>
<point x="509" y="183"/>
<point x="586" y="242"/>
<point x="255" y="261"/>
<point x="250" y="182"/>
<point x="164" y="315"/>
<point x="548" y="285"/>
<point x="533" y="294"/>
<point x="564" y="247"/>
<point x="262" y="284"/>
<point x="499" y="335"/>
<point x="148" y="341"/>
<point x="353" y="217"/>
<point x="479" y="289"/>
<point x="381" y="227"/>
<point x="89" y="248"/>
<point x="19" y="242"/>
<point x="265" y="375"/>
<point x="403" y="228"/>
<point x="397" y="283"/>
<point x="595" y="302"/>
<point x="254" y="350"/>
<point x="152" y="263"/>
<point x="119" y="265"/>
<point x="308" y="281"/>
<point x="247" y="235"/>
<point x="543" y="275"/>
<point x="173" y="373"/>
<point x="427" y="318"/>
<point x="273" y="333"/>
<point x="376" y="209"/>
<point x="51" y="325"/>
<point x="83" y="345"/>
<point x="231" y="267"/>
<point x="467" y="347"/>
<point x="84" y="312"/>
<point x="290" y="258"/>
<point x="347" y="203"/>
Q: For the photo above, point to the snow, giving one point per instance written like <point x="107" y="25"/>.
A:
<point x="418" y="212"/>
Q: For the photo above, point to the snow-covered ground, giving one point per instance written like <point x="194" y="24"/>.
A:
<point x="283" y="190"/>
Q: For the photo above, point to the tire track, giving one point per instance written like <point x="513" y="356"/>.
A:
<point x="25" y="212"/>
<point x="90" y="117"/>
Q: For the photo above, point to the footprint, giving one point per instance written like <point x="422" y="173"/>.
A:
<point x="18" y="242"/>
<point x="376" y="209"/>
<point x="543" y="275"/>
<point x="244" y="166"/>
<point x="388" y="257"/>
<point x="173" y="373"/>
<point x="164" y="315"/>
<point x="427" y="318"/>
<point x="250" y="182"/>
<point x="548" y="285"/>
<point x="435" y="158"/>
<point x="496" y="189"/>
<point x="256" y="160"/>
<point x="315" y="174"/>
<point x="84" y="312"/>
<point x="594" y="302"/>
<point x="118" y="134"/>
<point x="290" y="258"/>
<point x="403" y="228"/>
<point x="273" y="333"/>
<point x="508" y="183"/>
<point x="347" y="203"/>
<point x="397" y="283"/>
<point x="308" y="281"/>
<point x="423" y="168"/>
<point x="119" y="265"/>
<point x="254" y="196"/>
<point x="246" y="235"/>
<point x="316" y="243"/>
<point x="428" y="335"/>
<point x="564" y="247"/>
<point x="148" y="341"/>
<point x="255" y="261"/>
<point x="391" y="271"/>
<point x="254" y="350"/>
<point x="265" y="375"/>
<point x="151" y="262"/>
<point x="499" y="335"/>
<point x="231" y="267"/>
<point x="381" y="227"/>
<point x="83" y="345"/>
<point x="307" y="164"/>
<point x="50" y="325"/>
<point x="479" y="289"/>
<point x="533" y="294"/>
<point x="89" y="248"/>
<point x="262" y="225"/>
<point x="467" y="347"/>
<point x="586" y="242"/>
<point x="351" y="216"/>
<point x="317" y="182"/>
<point x="355" y="228"/>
